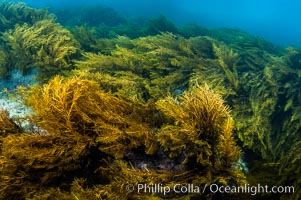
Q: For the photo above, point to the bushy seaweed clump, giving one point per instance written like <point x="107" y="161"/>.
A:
<point x="34" y="41"/>
<point x="12" y="13"/>
<point x="45" y="46"/>
<point x="201" y="128"/>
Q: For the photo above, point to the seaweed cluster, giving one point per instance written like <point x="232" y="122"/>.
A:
<point x="86" y="153"/>
<point x="144" y="101"/>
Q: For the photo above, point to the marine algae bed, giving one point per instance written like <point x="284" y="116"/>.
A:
<point x="144" y="101"/>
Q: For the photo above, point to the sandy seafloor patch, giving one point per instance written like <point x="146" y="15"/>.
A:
<point x="16" y="109"/>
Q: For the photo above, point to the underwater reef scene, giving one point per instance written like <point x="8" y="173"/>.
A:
<point x="118" y="103"/>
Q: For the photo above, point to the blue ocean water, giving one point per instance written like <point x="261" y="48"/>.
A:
<point x="277" y="21"/>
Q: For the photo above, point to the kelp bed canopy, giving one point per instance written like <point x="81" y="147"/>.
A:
<point x="144" y="101"/>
